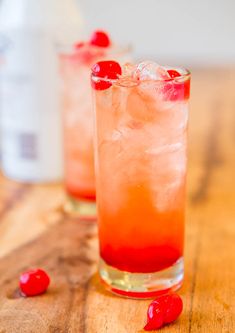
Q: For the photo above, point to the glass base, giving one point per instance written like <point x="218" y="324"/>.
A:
<point x="83" y="209"/>
<point x="142" y="285"/>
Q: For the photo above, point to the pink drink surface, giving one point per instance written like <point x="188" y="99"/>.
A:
<point x="141" y="169"/>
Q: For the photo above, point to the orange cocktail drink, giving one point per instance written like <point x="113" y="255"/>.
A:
<point x="141" y="143"/>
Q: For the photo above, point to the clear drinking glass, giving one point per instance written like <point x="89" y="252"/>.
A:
<point x="75" y="64"/>
<point x="141" y="159"/>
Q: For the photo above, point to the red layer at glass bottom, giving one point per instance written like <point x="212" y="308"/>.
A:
<point x="147" y="260"/>
<point x="80" y="194"/>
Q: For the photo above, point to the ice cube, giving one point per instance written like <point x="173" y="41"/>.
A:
<point x="150" y="70"/>
<point x="128" y="69"/>
<point x="127" y="78"/>
<point x="142" y="102"/>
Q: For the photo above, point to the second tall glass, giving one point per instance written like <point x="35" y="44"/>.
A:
<point x="75" y="64"/>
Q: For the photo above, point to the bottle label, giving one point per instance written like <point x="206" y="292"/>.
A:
<point x="28" y="146"/>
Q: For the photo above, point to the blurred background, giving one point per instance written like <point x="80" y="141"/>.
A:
<point x="193" y="34"/>
<point x="184" y="32"/>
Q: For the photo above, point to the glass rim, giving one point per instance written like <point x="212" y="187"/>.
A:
<point x="186" y="75"/>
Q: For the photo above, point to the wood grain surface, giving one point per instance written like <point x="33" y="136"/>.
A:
<point x="35" y="232"/>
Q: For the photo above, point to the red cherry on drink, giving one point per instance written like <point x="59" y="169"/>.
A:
<point x="176" y="90"/>
<point x="173" y="73"/>
<point x="163" y="310"/>
<point x="100" y="38"/>
<point x="34" y="282"/>
<point x="109" y="70"/>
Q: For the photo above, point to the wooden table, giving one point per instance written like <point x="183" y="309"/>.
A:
<point x="34" y="231"/>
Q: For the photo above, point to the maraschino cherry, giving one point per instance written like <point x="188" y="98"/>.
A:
<point x="107" y="70"/>
<point x="34" y="282"/>
<point x="100" y="38"/>
<point x="163" y="310"/>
